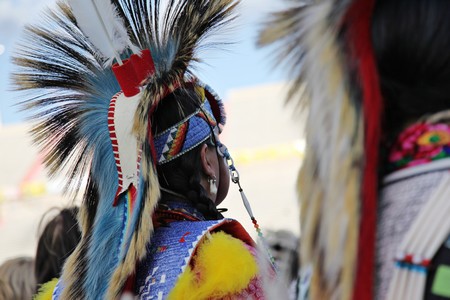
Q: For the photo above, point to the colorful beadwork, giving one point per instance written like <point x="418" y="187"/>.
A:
<point x="412" y="262"/>
<point x="185" y="135"/>
<point x="263" y="240"/>
<point x="170" y="252"/>
<point x="420" y="144"/>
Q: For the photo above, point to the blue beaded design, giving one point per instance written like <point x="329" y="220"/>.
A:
<point x="169" y="253"/>
<point x="57" y="291"/>
<point x="198" y="130"/>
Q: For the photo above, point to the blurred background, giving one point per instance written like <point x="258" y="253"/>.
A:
<point x="261" y="133"/>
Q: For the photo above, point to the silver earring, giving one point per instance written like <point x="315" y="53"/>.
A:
<point x="212" y="185"/>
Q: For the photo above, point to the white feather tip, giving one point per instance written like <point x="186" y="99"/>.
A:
<point x="101" y="24"/>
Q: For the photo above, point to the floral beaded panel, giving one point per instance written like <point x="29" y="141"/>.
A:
<point x="419" y="144"/>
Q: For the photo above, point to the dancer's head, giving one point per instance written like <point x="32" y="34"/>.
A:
<point x="197" y="169"/>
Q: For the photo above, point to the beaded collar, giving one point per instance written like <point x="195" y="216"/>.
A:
<point x="176" y="210"/>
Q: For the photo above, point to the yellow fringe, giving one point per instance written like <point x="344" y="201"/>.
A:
<point x="223" y="266"/>
<point x="46" y="290"/>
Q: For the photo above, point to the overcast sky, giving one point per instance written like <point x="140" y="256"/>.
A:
<point x="240" y="66"/>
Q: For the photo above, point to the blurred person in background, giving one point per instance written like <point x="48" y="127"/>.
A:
<point x="375" y="184"/>
<point x="58" y="239"/>
<point x="283" y="245"/>
<point x="6" y="291"/>
<point x="17" y="279"/>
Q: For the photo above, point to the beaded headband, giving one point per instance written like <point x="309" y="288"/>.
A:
<point x="192" y="130"/>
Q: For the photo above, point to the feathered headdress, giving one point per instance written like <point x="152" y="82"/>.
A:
<point x="94" y="118"/>
<point x="327" y="47"/>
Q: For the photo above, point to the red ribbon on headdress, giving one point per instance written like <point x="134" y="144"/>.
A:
<point x="134" y="71"/>
<point x="143" y="65"/>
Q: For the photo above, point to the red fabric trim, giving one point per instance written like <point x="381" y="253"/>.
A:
<point x="358" y="21"/>
<point x="133" y="193"/>
<point x="143" y="65"/>
<point x="231" y="227"/>
<point x="214" y="106"/>
<point x="168" y="216"/>
<point x="115" y="145"/>
<point x="235" y="229"/>
<point x="130" y="284"/>
<point x="127" y="78"/>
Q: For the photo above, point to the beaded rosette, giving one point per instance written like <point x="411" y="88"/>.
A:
<point x="420" y="144"/>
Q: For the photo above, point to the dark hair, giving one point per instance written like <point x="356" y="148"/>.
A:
<point x="411" y="42"/>
<point x="57" y="241"/>
<point x="183" y="174"/>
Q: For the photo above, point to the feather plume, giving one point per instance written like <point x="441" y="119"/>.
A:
<point x="185" y="25"/>
<point x="100" y="22"/>
<point x="68" y="88"/>
<point x="329" y="184"/>
<point x="69" y="91"/>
